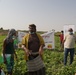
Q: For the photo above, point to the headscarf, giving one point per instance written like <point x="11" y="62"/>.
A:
<point x="10" y="35"/>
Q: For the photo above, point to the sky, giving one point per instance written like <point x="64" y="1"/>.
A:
<point x="45" y="14"/>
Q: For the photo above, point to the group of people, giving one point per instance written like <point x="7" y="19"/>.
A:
<point x="32" y="44"/>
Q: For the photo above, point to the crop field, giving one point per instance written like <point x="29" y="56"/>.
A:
<point x="53" y="60"/>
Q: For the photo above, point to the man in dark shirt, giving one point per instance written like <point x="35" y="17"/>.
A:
<point x="33" y="45"/>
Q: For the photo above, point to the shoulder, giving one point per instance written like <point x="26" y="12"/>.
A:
<point x="38" y="34"/>
<point x="67" y="34"/>
<point x="27" y="35"/>
<point x="5" y="40"/>
<point x="74" y="35"/>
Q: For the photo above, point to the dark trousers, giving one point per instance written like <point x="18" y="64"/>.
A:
<point x="66" y="51"/>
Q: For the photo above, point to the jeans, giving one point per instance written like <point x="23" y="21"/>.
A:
<point x="66" y="51"/>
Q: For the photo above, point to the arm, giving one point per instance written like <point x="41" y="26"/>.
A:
<point x="25" y="49"/>
<point x="75" y="38"/>
<point x="42" y="44"/>
<point x="63" y="44"/>
<point x="41" y="49"/>
<point x="64" y="41"/>
<point x="4" y="45"/>
<point x="25" y="44"/>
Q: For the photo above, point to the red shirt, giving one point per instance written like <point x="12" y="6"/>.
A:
<point x="61" y="37"/>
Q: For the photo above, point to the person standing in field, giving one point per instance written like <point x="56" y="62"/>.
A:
<point x="9" y="51"/>
<point x="61" y="40"/>
<point x="69" y="46"/>
<point x="33" y="44"/>
<point x="61" y="37"/>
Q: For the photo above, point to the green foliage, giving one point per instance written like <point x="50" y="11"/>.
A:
<point x="1" y="43"/>
<point x="53" y="60"/>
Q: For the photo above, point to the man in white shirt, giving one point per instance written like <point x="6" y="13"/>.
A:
<point x="69" y="43"/>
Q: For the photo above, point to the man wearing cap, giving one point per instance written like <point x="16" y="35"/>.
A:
<point x="69" y="43"/>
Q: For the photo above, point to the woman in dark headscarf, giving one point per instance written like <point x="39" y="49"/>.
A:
<point x="9" y="51"/>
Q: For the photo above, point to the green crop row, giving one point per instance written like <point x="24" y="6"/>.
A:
<point x="53" y="60"/>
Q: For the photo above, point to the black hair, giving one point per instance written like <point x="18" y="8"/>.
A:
<point x="62" y="31"/>
<point x="32" y="25"/>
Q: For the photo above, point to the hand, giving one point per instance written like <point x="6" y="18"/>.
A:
<point x="40" y="51"/>
<point x="41" y="54"/>
<point x="28" y="52"/>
